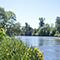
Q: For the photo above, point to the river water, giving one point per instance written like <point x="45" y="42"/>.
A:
<point x="50" y="45"/>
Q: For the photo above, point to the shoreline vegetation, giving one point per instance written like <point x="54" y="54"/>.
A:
<point x="9" y="22"/>
<point x="51" y="37"/>
<point x="15" y="49"/>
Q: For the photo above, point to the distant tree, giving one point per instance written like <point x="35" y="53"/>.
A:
<point x="52" y="31"/>
<point x="34" y="32"/>
<point x="52" y="25"/>
<point x="17" y="28"/>
<point x="58" y="24"/>
<point x="41" y="23"/>
<point x="27" y="30"/>
<point x="44" y="31"/>
<point x="26" y="24"/>
<point x="57" y="34"/>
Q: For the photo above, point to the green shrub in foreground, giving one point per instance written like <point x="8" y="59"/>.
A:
<point x="12" y="49"/>
<point x="2" y="34"/>
<point x="15" y="49"/>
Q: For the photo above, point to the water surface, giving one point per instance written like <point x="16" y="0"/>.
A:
<point x="50" y="45"/>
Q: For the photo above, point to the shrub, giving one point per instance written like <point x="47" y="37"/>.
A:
<point x="44" y="31"/>
<point x="15" y="49"/>
<point x="2" y="34"/>
<point x="57" y="34"/>
<point x="52" y="31"/>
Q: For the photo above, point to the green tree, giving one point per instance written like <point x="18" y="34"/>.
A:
<point x="10" y="25"/>
<point x="58" y="24"/>
<point x="7" y="18"/>
<point x="26" y="24"/>
<point x="41" y="23"/>
<point x="44" y="31"/>
<point x="52" y="31"/>
<point x="34" y="32"/>
<point x="14" y="30"/>
<point x="27" y="30"/>
<point x="3" y="17"/>
<point x="17" y="29"/>
<point x="57" y="34"/>
<point x="11" y="19"/>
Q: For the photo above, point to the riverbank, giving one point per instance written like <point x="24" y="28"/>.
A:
<point x="50" y="37"/>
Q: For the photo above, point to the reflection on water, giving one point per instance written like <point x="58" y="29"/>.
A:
<point x="41" y="42"/>
<point x="49" y="45"/>
<point x="48" y="42"/>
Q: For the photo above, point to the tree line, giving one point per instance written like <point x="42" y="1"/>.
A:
<point x="8" y="22"/>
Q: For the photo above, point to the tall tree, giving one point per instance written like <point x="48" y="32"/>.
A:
<point x="44" y="31"/>
<point x="58" y="24"/>
<point x="7" y="18"/>
<point x="41" y="23"/>
<point x="11" y="18"/>
<point x="3" y="17"/>
<point x="27" y="29"/>
<point x="10" y="25"/>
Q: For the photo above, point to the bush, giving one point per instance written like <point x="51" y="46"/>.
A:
<point x="52" y="31"/>
<point x="2" y="34"/>
<point x="57" y="34"/>
<point x="44" y="31"/>
<point x="15" y="49"/>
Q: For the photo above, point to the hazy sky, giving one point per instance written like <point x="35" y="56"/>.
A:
<point x="30" y="10"/>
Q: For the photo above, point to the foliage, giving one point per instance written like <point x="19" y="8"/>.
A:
<point x="57" y="34"/>
<point x="41" y="23"/>
<point x="2" y="34"/>
<point x="0" y="25"/>
<point x="58" y="24"/>
<point x="11" y="23"/>
<point x="27" y="30"/>
<point x="7" y="18"/>
<point x="44" y="31"/>
<point x="8" y="22"/>
<point x="14" y="30"/>
<point x="15" y="49"/>
<point x="34" y="32"/>
<point x="3" y="17"/>
<point x="52" y="31"/>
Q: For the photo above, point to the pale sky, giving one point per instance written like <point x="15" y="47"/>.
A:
<point x="30" y="10"/>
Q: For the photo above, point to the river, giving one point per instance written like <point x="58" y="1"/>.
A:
<point x="50" y="45"/>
